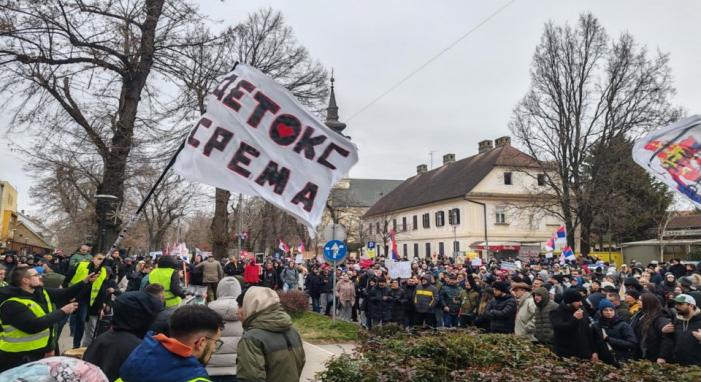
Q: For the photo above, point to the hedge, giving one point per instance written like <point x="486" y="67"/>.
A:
<point x="392" y="354"/>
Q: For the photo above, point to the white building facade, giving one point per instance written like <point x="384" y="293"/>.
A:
<point x="442" y="212"/>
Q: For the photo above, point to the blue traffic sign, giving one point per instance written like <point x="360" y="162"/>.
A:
<point x="371" y="245"/>
<point x="335" y="250"/>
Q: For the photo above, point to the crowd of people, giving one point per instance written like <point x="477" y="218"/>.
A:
<point x="131" y="313"/>
<point x="134" y="320"/>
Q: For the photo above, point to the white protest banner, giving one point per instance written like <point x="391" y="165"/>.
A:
<point x="255" y="138"/>
<point x="673" y="155"/>
<point x="404" y="269"/>
<point x="392" y="268"/>
<point x="476" y="262"/>
<point x="509" y="266"/>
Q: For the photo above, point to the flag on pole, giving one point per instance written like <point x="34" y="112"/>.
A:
<point x="550" y="245"/>
<point x="300" y="247"/>
<point x="568" y="253"/>
<point x="257" y="139"/>
<point x="672" y="154"/>
<point x="392" y="245"/>
<point x="283" y="246"/>
<point x="561" y="236"/>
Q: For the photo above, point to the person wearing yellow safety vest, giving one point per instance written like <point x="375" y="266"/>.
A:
<point x="28" y="316"/>
<point x="167" y="274"/>
<point x="90" y="300"/>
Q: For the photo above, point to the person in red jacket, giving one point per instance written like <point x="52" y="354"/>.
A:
<point x="251" y="273"/>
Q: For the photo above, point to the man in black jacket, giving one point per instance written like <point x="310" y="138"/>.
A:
<point x="573" y="337"/>
<point x="20" y="304"/>
<point x="133" y="313"/>
<point x="687" y="331"/>
<point x="501" y="310"/>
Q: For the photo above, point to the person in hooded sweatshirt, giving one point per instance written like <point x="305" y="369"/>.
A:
<point x="687" y="331"/>
<point x="615" y="338"/>
<point x="222" y="366"/>
<point x="270" y="349"/>
<point x="133" y="313"/>
<point x="543" y="331"/>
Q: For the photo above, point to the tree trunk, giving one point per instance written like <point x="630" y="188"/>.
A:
<point x="220" y="224"/>
<point x="586" y="222"/>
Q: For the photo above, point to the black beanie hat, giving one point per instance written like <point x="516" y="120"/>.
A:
<point x="571" y="295"/>
<point x="501" y="286"/>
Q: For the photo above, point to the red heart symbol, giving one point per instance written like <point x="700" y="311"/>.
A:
<point x="284" y="131"/>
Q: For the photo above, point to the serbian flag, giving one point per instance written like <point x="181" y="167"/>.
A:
<point x="392" y="244"/>
<point x="284" y="247"/>
<point x="561" y="236"/>
<point x="568" y="253"/>
<point x="300" y="247"/>
<point x="550" y="245"/>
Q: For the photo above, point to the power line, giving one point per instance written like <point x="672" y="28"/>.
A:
<point x="430" y="60"/>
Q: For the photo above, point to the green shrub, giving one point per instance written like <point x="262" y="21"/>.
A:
<point x="391" y="354"/>
<point x="294" y="302"/>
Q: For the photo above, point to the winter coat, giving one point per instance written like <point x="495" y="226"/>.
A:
<point x="409" y="291"/>
<point x="469" y="301"/>
<point x="543" y="331"/>
<point x="622" y="312"/>
<point x="270" y="279"/>
<point x="212" y="271"/>
<point x="133" y="313"/>
<point x="134" y="280"/>
<point x="621" y="339"/>
<point x="223" y="362"/>
<point x="326" y="282"/>
<point x="525" y="317"/>
<point x="251" y="274"/>
<point x="571" y="337"/>
<point x="289" y="275"/>
<point x="345" y="290"/>
<point x="397" y="301"/>
<point x="233" y="269"/>
<point x="450" y="298"/>
<point x="652" y="344"/>
<point x="426" y="298"/>
<point x="313" y="285"/>
<point x="378" y="303"/>
<point x="687" y="349"/>
<point x="19" y="316"/>
<point x="270" y="349"/>
<point x="196" y="274"/>
<point x="151" y="361"/>
<point x="501" y="312"/>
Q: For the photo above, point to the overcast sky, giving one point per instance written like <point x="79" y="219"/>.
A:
<point x="465" y="96"/>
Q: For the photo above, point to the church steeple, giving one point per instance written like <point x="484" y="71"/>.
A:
<point x="332" y="111"/>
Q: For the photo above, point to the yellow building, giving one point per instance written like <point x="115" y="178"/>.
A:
<point x="8" y="213"/>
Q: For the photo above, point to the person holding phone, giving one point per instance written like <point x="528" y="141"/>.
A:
<point x="89" y="299"/>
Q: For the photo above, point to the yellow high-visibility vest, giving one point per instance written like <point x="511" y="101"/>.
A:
<point x="81" y="272"/>
<point x="14" y="340"/>
<point x="163" y="276"/>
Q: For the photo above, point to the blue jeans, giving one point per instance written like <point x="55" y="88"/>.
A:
<point x="450" y="320"/>
<point x="77" y="321"/>
<point x="316" y="304"/>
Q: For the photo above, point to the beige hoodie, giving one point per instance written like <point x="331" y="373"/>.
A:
<point x="257" y="299"/>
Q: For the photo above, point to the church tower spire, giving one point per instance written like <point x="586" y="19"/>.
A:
<point x="332" y="111"/>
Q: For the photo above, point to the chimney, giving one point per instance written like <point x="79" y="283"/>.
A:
<point x="485" y="145"/>
<point x="503" y="141"/>
<point x="422" y="168"/>
<point x="448" y="158"/>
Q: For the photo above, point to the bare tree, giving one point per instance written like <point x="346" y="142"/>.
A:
<point x="82" y="68"/>
<point x="585" y="91"/>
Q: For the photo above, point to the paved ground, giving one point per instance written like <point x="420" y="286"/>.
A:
<point x="316" y="354"/>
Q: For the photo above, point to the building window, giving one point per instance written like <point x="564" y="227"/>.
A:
<point x="440" y="219"/>
<point x="454" y="216"/>
<point x="500" y="215"/>
<point x="415" y="222"/>
<point x="377" y="227"/>
<point x="404" y="224"/>
<point x="507" y="178"/>
<point x="426" y="220"/>
<point x="394" y="225"/>
<point x="416" y="249"/>
<point x="441" y="248"/>
<point x="386" y="225"/>
<point x="456" y="246"/>
<point x="406" y="250"/>
<point x="370" y="228"/>
<point x="428" y="249"/>
<point x="541" y="179"/>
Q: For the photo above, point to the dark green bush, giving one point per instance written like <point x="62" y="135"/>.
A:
<point x="392" y="354"/>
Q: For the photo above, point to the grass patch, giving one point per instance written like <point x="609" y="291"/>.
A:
<point x="318" y="328"/>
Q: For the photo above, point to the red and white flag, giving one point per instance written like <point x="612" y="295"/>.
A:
<point x="283" y="246"/>
<point x="257" y="139"/>
<point x="300" y="247"/>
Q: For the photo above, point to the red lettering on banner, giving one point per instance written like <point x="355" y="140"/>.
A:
<point x="306" y="196"/>
<point x="323" y="159"/>
<point x="274" y="177"/>
<point x="264" y="104"/>
<point x="241" y="156"/>
<point x="191" y="140"/>
<point x="215" y="143"/>
<point x="236" y="94"/>
<point x="307" y="143"/>
<point x="219" y="91"/>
